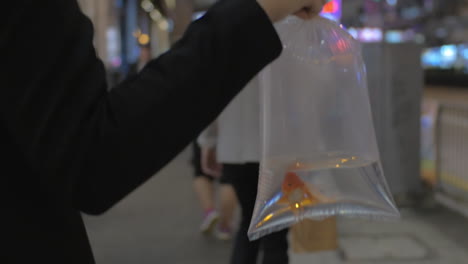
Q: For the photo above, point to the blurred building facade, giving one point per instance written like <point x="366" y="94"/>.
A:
<point x="123" y="26"/>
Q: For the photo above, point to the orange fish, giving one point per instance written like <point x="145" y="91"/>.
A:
<point x="295" y="190"/>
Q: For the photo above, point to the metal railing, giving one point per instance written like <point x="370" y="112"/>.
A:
<point x="452" y="156"/>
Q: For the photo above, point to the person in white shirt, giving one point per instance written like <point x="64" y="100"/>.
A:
<point x="233" y="140"/>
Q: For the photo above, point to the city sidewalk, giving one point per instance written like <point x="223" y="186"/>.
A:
<point x="423" y="236"/>
<point x="159" y="224"/>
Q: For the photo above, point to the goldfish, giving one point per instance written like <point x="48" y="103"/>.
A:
<point x="295" y="191"/>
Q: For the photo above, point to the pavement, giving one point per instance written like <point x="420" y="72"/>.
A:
<point x="159" y="223"/>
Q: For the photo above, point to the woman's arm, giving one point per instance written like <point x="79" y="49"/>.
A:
<point x="102" y="145"/>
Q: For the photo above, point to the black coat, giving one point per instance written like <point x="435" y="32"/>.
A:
<point x="69" y="146"/>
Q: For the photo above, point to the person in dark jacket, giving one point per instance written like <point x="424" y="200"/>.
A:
<point x="70" y="146"/>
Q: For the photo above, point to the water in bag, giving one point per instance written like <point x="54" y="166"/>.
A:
<point x="319" y="151"/>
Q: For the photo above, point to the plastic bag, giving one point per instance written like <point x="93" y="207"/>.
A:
<point x="319" y="151"/>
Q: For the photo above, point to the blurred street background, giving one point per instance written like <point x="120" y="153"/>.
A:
<point x="416" y="53"/>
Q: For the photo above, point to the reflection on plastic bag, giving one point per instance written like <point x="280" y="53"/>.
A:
<point x="319" y="150"/>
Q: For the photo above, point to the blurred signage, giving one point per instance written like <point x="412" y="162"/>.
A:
<point x="446" y="57"/>
<point x="367" y="34"/>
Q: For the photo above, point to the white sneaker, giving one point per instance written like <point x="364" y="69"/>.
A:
<point x="209" y="222"/>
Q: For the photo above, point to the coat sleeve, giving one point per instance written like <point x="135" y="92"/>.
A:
<point x="95" y="146"/>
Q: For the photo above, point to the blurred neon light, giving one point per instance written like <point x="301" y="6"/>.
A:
<point x="449" y="51"/>
<point x="354" y="32"/>
<point x="444" y="57"/>
<point x="371" y="35"/>
<point x="465" y="54"/>
<point x="331" y="7"/>
<point x="332" y="10"/>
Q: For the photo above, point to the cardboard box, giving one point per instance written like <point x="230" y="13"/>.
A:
<point x="310" y="236"/>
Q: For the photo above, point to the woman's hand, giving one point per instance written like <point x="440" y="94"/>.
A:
<point x="279" y="9"/>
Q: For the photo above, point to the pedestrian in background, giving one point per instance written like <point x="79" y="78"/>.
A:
<point x="235" y="140"/>
<point x="204" y="187"/>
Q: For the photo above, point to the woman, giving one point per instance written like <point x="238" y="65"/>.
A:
<point x="70" y="146"/>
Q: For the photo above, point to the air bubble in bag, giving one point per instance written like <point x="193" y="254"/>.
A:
<point x="319" y="150"/>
